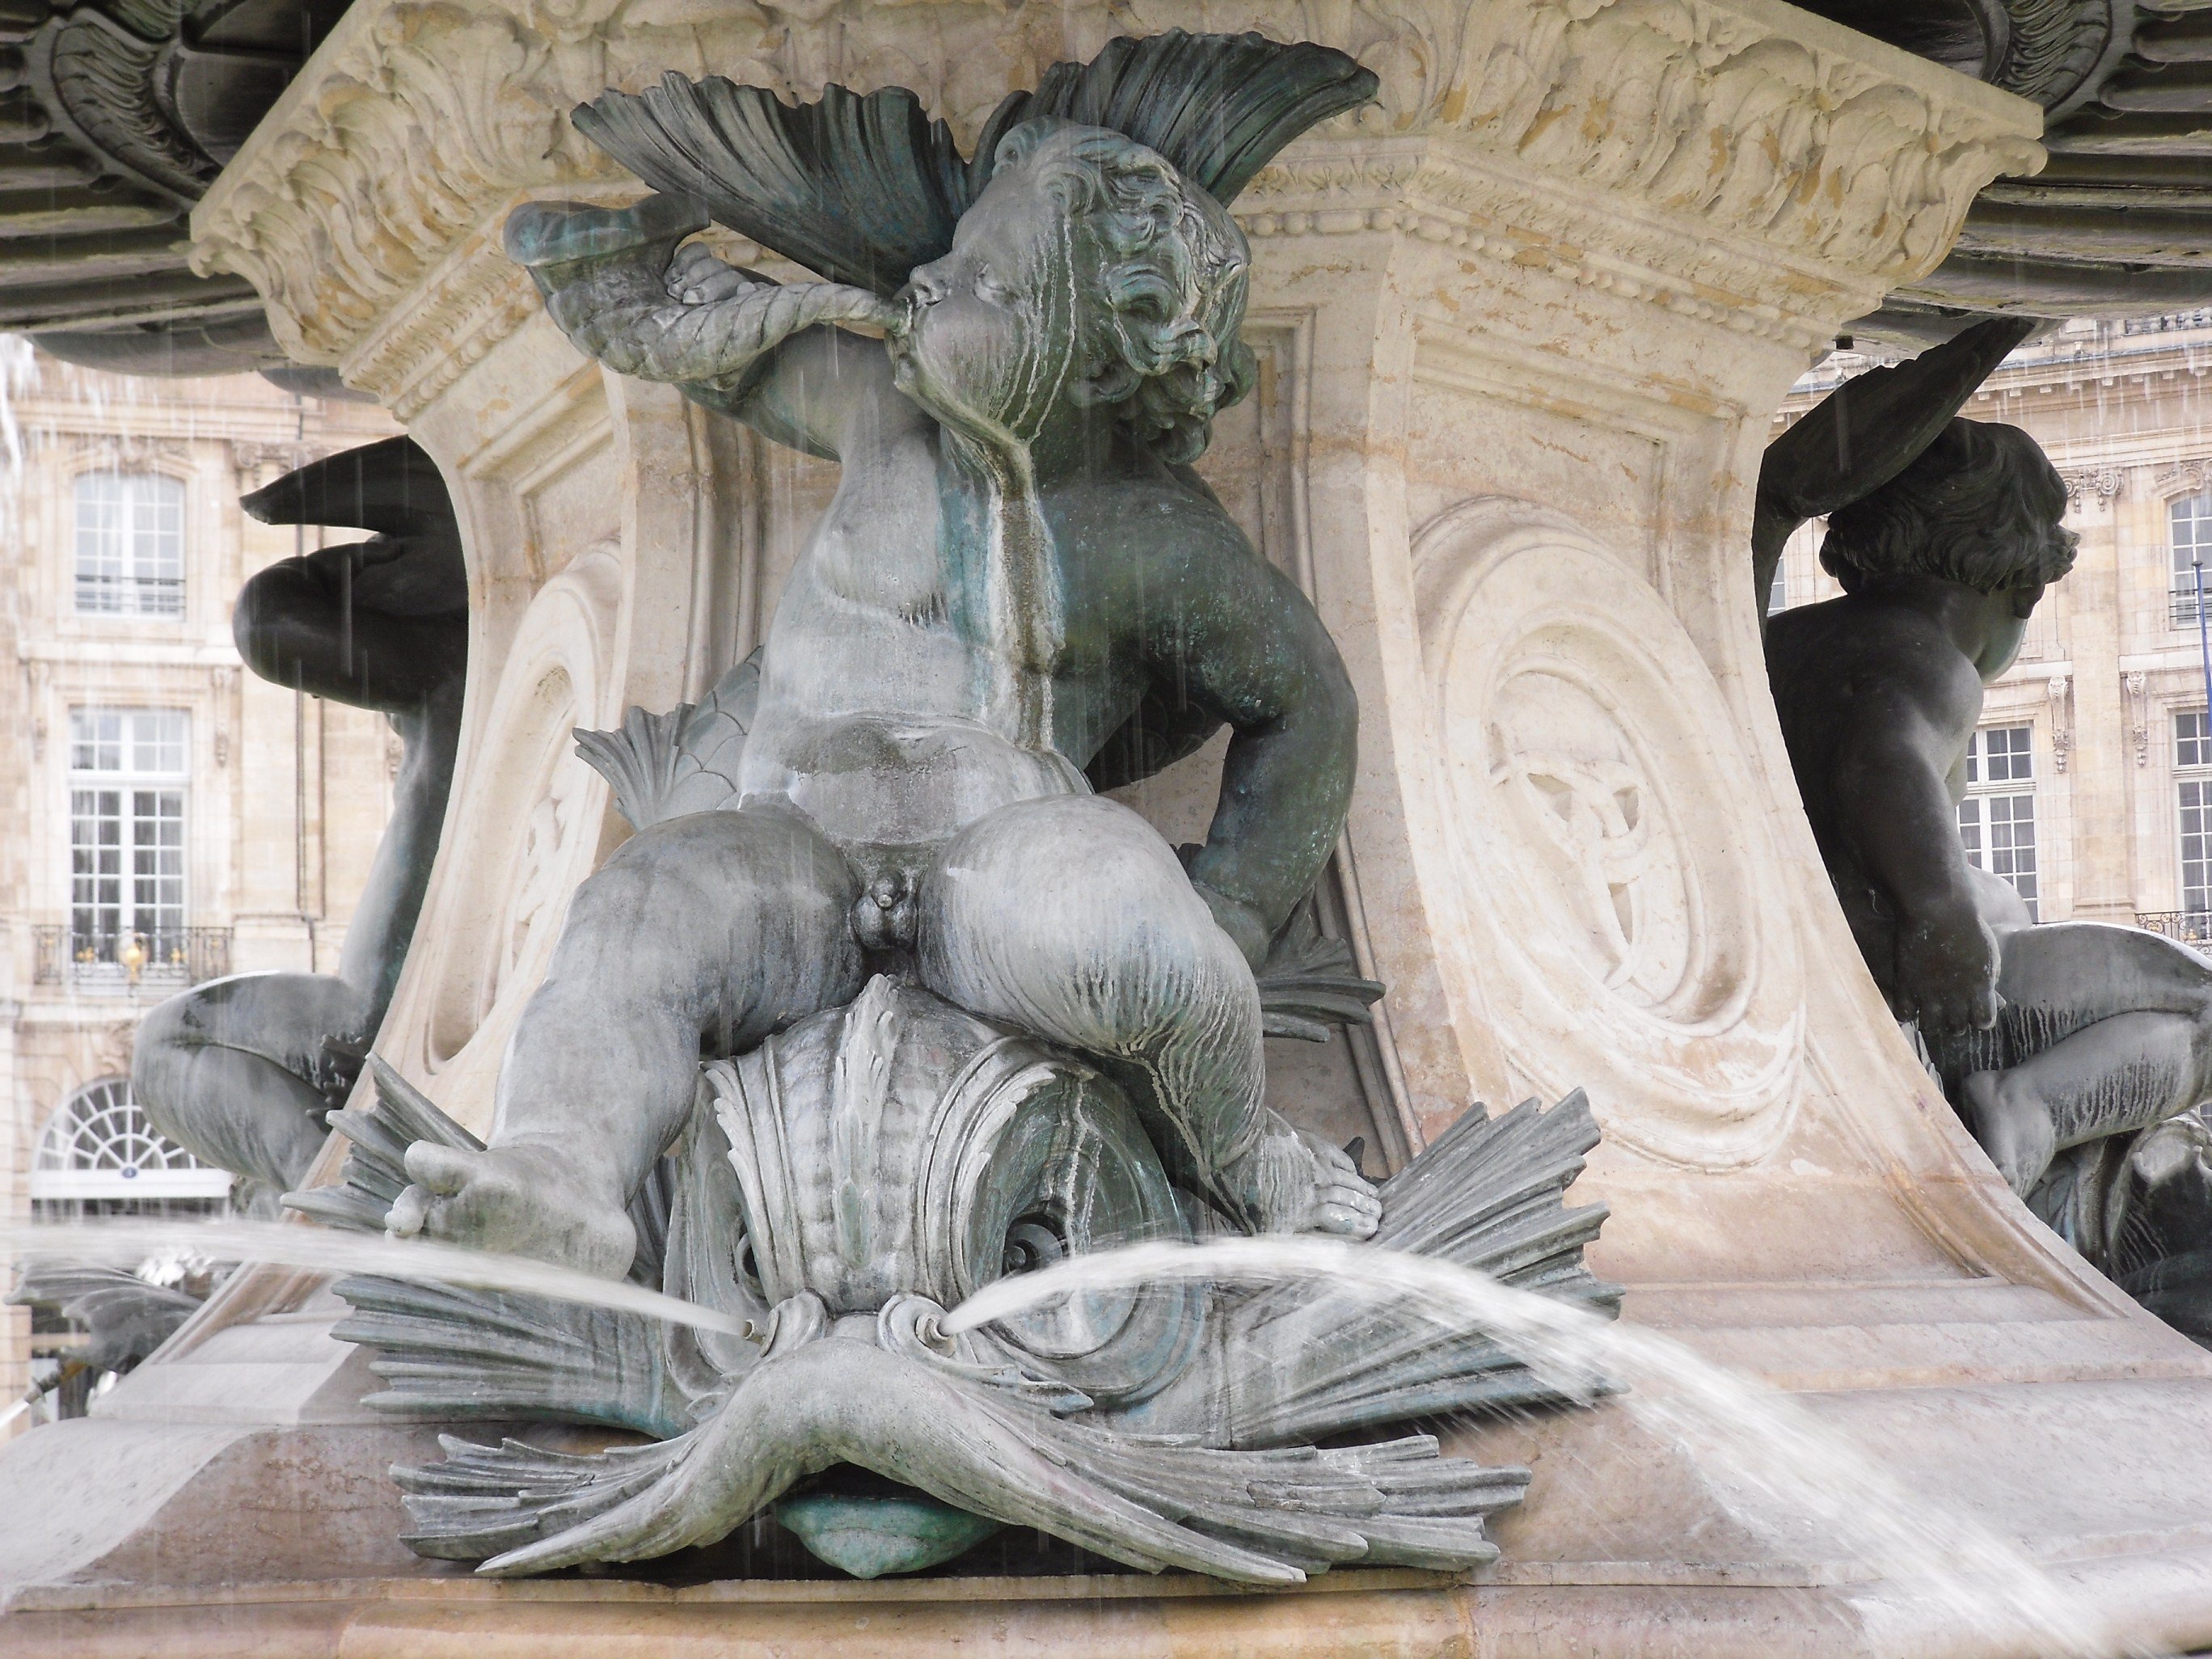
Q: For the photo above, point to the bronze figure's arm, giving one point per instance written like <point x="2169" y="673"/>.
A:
<point x="1867" y="432"/>
<point x="770" y="353"/>
<point x="1245" y="645"/>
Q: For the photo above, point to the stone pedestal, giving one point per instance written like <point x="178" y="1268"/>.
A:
<point x="1520" y="327"/>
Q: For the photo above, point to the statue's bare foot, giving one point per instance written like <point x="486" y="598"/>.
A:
<point x="1294" y="1182"/>
<point x="518" y="1199"/>
<point x="2013" y="1127"/>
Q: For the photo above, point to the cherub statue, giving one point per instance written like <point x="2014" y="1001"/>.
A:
<point x="1020" y="579"/>
<point x="2049" y="1037"/>
<point x="243" y="1070"/>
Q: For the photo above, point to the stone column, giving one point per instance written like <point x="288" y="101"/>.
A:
<point x="1532" y="312"/>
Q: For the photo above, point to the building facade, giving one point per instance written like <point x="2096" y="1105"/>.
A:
<point x="169" y="816"/>
<point x="2090" y="784"/>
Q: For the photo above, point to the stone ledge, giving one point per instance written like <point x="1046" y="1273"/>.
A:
<point x="1742" y="118"/>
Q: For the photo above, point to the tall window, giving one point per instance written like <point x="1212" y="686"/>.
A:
<point x="2190" y="522"/>
<point x="2192" y="754"/>
<point x="1997" y="820"/>
<point x="129" y="545"/>
<point x="128" y="768"/>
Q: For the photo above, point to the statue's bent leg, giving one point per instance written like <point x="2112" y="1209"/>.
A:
<point x="705" y="932"/>
<point x="1071" y="917"/>
<point x="236" y="1070"/>
<point x="2112" y="1032"/>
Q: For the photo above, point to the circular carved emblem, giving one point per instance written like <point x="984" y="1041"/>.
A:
<point x="529" y="819"/>
<point x="1625" y="923"/>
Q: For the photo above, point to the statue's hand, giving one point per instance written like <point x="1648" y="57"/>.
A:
<point x="696" y="277"/>
<point x="1292" y="1181"/>
<point x="521" y="1200"/>
<point x="1947" y="972"/>
<point x="542" y="235"/>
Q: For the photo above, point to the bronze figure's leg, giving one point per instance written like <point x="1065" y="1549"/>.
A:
<point x="2117" y="1024"/>
<point x="703" y="933"/>
<point x="1071" y="917"/>
<point x="237" y="1070"/>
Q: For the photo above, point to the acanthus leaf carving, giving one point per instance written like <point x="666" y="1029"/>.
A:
<point x="418" y="122"/>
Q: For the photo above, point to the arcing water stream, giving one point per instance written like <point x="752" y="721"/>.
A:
<point x="1958" y="1576"/>
<point x="124" y="1243"/>
<point x="1968" y="1578"/>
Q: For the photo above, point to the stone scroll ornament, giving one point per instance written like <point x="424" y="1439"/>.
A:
<point x="2078" y="1054"/>
<point x="961" y="1016"/>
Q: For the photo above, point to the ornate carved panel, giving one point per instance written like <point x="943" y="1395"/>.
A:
<point x="1622" y="912"/>
<point x="527" y="826"/>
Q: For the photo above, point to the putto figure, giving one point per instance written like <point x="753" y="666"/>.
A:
<point x="960" y="1017"/>
<point x="1018" y="581"/>
<point x="2059" y="1043"/>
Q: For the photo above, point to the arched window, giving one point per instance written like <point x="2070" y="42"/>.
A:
<point x="130" y="544"/>
<point x="101" y="1148"/>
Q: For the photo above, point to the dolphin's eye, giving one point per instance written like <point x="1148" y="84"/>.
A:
<point x="1033" y="1240"/>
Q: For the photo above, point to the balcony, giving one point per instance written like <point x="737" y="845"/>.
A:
<point x="117" y="964"/>
<point x="2181" y="605"/>
<point x="2190" y="926"/>
<point x="107" y="595"/>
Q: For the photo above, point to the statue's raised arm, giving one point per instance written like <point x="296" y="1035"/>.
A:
<point x="617" y="284"/>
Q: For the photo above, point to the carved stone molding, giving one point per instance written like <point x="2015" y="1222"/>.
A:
<point x="2138" y="686"/>
<point x="249" y="455"/>
<point x="2060" y="691"/>
<point x="223" y="683"/>
<point x="2083" y="482"/>
<point x="2184" y="478"/>
<point x="417" y="124"/>
<point x="1617" y="933"/>
<point x="528" y="819"/>
<point x="128" y="452"/>
<point x="37" y="676"/>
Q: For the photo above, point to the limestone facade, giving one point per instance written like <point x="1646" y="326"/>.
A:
<point x="2109" y="688"/>
<point x="256" y="811"/>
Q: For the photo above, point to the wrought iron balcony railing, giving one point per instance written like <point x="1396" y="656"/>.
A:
<point x="2181" y="605"/>
<point x="130" y="596"/>
<point x="2190" y="926"/>
<point x="120" y="962"/>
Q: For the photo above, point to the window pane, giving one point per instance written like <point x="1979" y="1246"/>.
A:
<point x="2196" y="846"/>
<point x="1970" y="830"/>
<point x="127" y="829"/>
<point x="2193" y="742"/>
<point x="2007" y="754"/>
<point x="1998" y="834"/>
<point x="2012" y="843"/>
<point x="96" y="739"/>
<point x="95" y="862"/>
<point x="130" y="544"/>
<point x="2190" y="520"/>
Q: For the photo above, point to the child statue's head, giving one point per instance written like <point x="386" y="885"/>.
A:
<point x="1089" y="274"/>
<point x="1980" y="506"/>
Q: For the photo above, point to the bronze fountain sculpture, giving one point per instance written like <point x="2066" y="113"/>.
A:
<point x="883" y="1000"/>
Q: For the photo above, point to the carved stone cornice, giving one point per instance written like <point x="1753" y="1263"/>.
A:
<point x="128" y="452"/>
<point x="1744" y="121"/>
<point x="2083" y="482"/>
<point x="2183" y="478"/>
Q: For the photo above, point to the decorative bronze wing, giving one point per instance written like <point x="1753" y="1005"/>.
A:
<point x="862" y="189"/>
